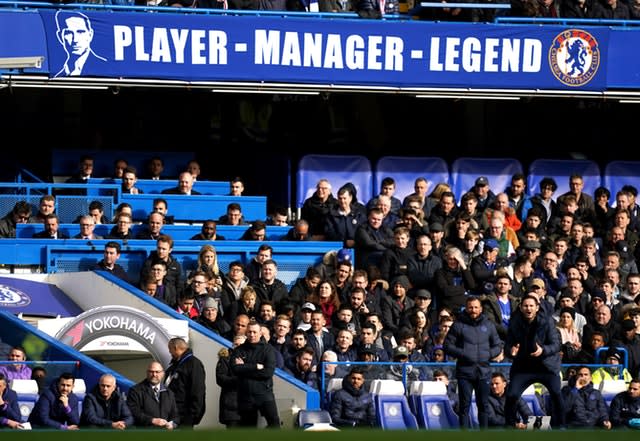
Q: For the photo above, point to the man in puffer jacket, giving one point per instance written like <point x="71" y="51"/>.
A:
<point x="105" y="407"/>
<point x="57" y="407"/>
<point x="352" y="405"/>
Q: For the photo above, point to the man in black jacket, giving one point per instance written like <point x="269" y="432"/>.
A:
<point x="473" y="341"/>
<point x="105" y="407"/>
<point x="533" y="343"/>
<point x="254" y="362"/>
<point x="151" y="403"/>
<point x="185" y="377"/>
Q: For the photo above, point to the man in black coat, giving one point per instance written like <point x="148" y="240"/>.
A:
<point x="254" y="362"/>
<point x="51" y="229"/>
<point x="105" y="407"/>
<point x="185" y="377"/>
<point x="473" y="341"/>
<point x="533" y="343"/>
<point x="151" y="403"/>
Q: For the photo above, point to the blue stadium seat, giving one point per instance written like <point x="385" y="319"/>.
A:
<point x="619" y="173"/>
<point x="610" y="388"/>
<point x="338" y="169"/>
<point x="431" y="405"/>
<point x="561" y="170"/>
<point x="465" y="171"/>
<point x="27" y="391"/>
<point x="314" y="420"/>
<point x="392" y="407"/>
<point x="80" y="390"/>
<point x="405" y="169"/>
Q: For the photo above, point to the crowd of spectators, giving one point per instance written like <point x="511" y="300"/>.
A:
<point x="408" y="267"/>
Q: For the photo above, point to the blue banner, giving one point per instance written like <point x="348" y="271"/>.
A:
<point x="345" y="51"/>
<point x="35" y="298"/>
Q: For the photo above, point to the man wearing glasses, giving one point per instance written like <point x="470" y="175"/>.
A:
<point x="19" y="215"/>
<point x="151" y="403"/>
<point x="87" y="225"/>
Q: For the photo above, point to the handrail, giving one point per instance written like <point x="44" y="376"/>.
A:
<point x="466" y="5"/>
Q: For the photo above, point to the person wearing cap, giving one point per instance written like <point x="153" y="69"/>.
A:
<point x="401" y="370"/>
<point x="372" y="239"/>
<point x="353" y="405"/>
<point x="566" y="300"/>
<point x="570" y="338"/>
<point x="624" y="410"/>
<point x="485" y="267"/>
<point x="533" y="343"/>
<point x="438" y="242"/>
<point x="343" y="219"/>
<point x="211" y="318"/>
<point x="613" y="370"/>
<point x="474" y="342"/>
<point x="482" y="190"/>
<point x="395" y="303"/>
<point x="304" y="321"/>
<point x="422" y="302"/>
<point x="395" y="259"/>
<point x="586" y="407"/>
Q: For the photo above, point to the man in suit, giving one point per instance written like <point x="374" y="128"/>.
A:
<point x="185" y="185"/>
<point x="51" y="229"/>
<point x="151" y="403"/>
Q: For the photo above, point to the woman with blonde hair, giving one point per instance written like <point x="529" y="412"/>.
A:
<point x="208" y="263"/>
<point x="571" y="341"/>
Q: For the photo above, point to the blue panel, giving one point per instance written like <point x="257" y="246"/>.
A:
<point x="22" y="35"/>
<point x="619" y="173"/>
<point x="561" y="170"/>
<point x="338" y="169"/>
<point x="465" y="171"/>
<point x="405" y="169"/>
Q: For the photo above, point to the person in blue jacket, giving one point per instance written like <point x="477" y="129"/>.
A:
<point x="624" y="410"/>
<point x="474" y="342"/>
<point x="353" y="405"/>
<point x="105" y="407"/>
<point x="57" y="407"/>
<point x="9" y="409"/>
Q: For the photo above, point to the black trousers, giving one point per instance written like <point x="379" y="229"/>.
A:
<point x="268" y="409"/>
<point x="519" y="381"/>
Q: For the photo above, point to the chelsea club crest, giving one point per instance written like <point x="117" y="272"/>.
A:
<point x="12" y="297"/>
<point x="574" y="57"/>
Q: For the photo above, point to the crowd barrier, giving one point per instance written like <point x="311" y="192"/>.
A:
<point x="155" y="186"/>
<point x="70" y="255"/>
<point x="197" y="208"/>
<point x="177" y="232"/>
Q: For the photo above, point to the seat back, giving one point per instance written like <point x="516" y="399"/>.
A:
<point x="431" y="405"/>
<point x="619" y="173"/>
<point x="27" y="391"/>
<point x="338" y="169"/>
<point x="561" y="170"/>
<point x="405" y="169"/>
<point x="80" y="390"/>
<point x="465" y="171"/>
<point x="333" y="385"/>
<point x="392" y="407"/>
<point x="308" y="417"/>
<point x="609" y="388"/>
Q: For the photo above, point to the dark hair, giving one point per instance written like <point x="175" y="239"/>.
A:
<point x="113" y="244"/>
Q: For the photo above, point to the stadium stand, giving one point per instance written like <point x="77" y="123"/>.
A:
<point x="561" y="170"/>
<point x="405" y="169"/>
<point x="465" y="171"/>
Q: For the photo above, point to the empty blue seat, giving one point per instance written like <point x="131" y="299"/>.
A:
<point x="405" y="169"/>
<point x="392" y="407"/>
<point x="561" y="170"/>
<point x="431" y="405"/>
<point x="619" y="173"/>
<point x="338" y="169"/>
<point x="27" y="391"/>
<point x="465" y="171"/>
